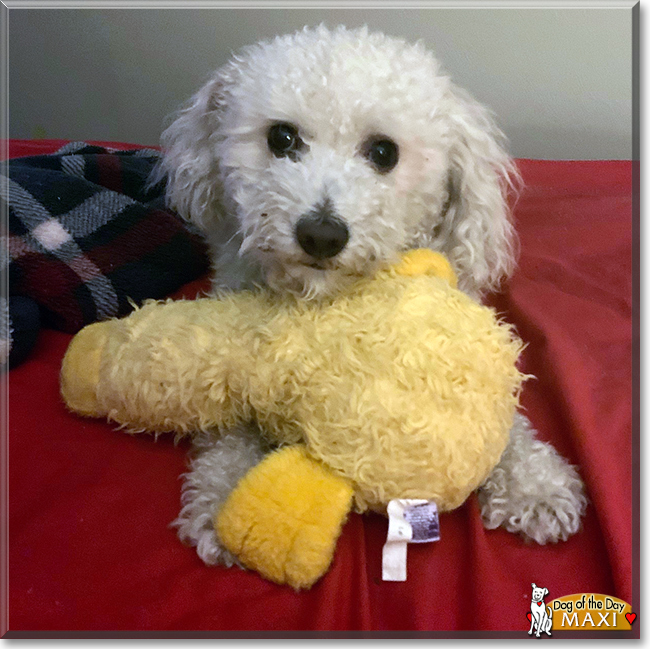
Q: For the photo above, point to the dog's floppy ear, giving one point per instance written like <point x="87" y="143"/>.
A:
<point x="477" y="230"/>
<point x="546" y="591"/>
<point x="189" y="162"/>
<point x="534" y="586"/>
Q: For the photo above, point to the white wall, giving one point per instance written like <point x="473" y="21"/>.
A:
<point x="559" y="80"/>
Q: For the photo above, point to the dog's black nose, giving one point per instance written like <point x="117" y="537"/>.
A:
<point x="321" y="234"/>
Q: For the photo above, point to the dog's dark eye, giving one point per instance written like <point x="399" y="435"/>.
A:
<point x="382" y="152"/>
<point x="283" y="140"/>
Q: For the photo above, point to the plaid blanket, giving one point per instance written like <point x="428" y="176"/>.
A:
<point x="85" y="239"/>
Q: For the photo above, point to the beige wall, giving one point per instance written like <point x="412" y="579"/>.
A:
<point x="559" y="80"/>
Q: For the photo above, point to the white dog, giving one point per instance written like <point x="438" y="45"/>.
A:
<point x="541" y="615"/>
<point x="312" y="159"/>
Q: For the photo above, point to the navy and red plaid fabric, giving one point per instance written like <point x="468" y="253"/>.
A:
<point x="86" y="237"/>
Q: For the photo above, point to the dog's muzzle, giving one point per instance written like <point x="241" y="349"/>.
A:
<point x="322" y="234"/>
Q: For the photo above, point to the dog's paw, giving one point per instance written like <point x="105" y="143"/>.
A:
<point x="198" y="531"/>
<point x="544" y="518"/>
<point x="219" y="461"/>
<point x="533" y="491"/>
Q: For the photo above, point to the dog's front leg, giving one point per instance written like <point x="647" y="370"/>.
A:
<point x="218" y="462"/>
<point x="533" y="490"/>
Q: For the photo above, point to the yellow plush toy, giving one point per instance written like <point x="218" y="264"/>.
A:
<point x="399" y="387"/>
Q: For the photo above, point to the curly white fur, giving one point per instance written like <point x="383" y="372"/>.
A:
<point x="449" y="192"/>
<point x="533" y="490"/>
<point x="217" y="465"/>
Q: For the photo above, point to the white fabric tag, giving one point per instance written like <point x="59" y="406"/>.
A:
<point x="409" y="521"/>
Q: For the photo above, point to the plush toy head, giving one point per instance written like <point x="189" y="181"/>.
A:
<point x="401" y="386"/>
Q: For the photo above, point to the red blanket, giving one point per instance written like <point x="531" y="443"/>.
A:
<point x="90" y="507"/>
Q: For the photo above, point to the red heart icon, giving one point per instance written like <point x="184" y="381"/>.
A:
<point x="630" y="617"/>
<point x="530" y="617"/>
